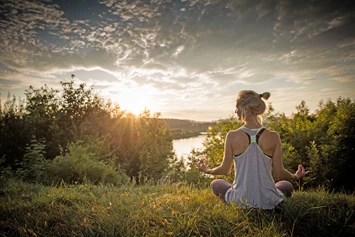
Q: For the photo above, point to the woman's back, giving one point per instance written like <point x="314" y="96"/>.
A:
<point x="253" y="185"/>
<point x="240" y="142"/>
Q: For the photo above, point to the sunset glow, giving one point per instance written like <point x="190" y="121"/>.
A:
<point x="194" y="56"/>
<point x="134" y="100"/>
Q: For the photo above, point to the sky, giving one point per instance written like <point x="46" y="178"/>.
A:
<point x="184" y="59"/>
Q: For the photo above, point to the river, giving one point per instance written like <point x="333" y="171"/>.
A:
<point x="183" y="147"/>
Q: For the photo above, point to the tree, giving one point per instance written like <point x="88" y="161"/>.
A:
<point x="296" y="134"/>
<point x="155" y="147"/>
<point x="338" y="151"/>
<point x="33" y="166"/>
<point x="14" y="132"/>
<point x="123" y="138"/>
<point x="42" y="114"/>
<point x="56" y="119"/>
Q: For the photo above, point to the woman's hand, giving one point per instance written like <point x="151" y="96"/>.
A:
<point x="301" y="172"/>
<point x="201" y="166"/>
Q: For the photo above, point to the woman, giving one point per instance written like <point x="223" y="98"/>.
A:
<point x="255" y="151"/>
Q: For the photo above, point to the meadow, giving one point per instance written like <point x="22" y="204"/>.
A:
<point x="165" y="210"/>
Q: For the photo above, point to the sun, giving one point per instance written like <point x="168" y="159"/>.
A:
<point x="135" y="100"/>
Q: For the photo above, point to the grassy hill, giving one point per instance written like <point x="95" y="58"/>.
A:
<point x="164" y="210"/>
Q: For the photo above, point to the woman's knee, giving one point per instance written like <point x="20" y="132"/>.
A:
<point x="285" y="187"/>
<point x="219" y="186"/>
<point x="214" y="182"/>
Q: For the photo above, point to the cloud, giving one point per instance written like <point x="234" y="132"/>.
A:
<point x="6" y="83"/>
<point x="187" y="49"/>
<point x="202" y="36"/>
<point x="344" y="79"/>
<point x="13" y="80"/>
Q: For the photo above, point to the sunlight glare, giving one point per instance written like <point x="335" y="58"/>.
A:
<point x="135" y="100"/>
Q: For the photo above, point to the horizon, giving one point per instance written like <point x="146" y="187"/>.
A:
<point x="183" y="59"/>
<point x="2" y="102"/>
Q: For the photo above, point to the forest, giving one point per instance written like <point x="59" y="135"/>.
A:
<point x="74" y="136"/>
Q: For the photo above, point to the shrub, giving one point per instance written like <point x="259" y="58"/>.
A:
<point x="79" y="165"/>
<point x="33" y="165"/>
<point x="5" y="173"/>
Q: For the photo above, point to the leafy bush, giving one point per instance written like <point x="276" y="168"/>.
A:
<point x="79" y="165"/>
<point x="33" y="165"/>
<point x="5" y="173"/>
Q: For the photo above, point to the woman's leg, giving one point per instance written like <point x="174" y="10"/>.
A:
<point x="285" y="187"/>
<point x="220" y="187"/>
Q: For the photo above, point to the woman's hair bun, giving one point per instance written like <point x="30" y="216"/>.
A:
<point x="265" y="95"/>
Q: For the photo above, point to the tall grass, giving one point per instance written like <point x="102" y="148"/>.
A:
<point x="164" y="210"/>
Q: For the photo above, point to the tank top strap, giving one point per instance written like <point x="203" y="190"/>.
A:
<point x="259" y="134"/>
<point x="253" y="134"/>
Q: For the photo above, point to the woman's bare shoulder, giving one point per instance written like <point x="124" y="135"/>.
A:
<point x="271" y="134"/>
<point x="235" y="133"/>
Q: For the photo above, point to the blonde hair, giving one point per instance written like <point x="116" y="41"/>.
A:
<point x="252" y="101"/>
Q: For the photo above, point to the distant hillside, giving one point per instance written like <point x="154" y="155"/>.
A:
<point x="181" y="128"/>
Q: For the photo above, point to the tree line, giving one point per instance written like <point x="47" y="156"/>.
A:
<point x="181" y="128"/>
<point x="74" y="135"/>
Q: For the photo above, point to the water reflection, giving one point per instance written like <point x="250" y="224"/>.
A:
<point x="183" y="147"/>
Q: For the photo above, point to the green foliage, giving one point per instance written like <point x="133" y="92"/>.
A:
<point x="155" y="147"/>
<point x="14" y="132"/>
<point x="83" y="113"/>
<point x="176" y="169"/>
<point x="337" y="142"/>
<point x="182" y="134"/>
<point x="291" y="156"/>
<point x="297" y="133"/>
<point x="33" y="165"/>
<point x="5" y="173"/>
<point x="193" y="175"/>
<point x="124" y="138"/>
<point x="324" y="142"/>
<point x="139" y="146"/>
<point x="143" y="147"/>
<point x="185" y="171"/>
<point x="317" y="166"/>
<point x="42" y="114"/>
<point x="165" y="210"/>
<point x="79" y="165"/>
<point x="55" y="117"/>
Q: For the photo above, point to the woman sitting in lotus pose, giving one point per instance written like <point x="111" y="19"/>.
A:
<point x="257" y="153"/>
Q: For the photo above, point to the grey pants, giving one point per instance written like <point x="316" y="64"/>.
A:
<point x="220" y="187"/>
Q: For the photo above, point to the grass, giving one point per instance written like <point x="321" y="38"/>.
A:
<point x="165" y="210"/>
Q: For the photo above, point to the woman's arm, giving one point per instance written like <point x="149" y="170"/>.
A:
<point x="226" y="164"/>
<point x="278" y="169"/>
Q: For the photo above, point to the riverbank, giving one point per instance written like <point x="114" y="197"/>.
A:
<point x="181" y="129"/>
<point x="184" y="134"/>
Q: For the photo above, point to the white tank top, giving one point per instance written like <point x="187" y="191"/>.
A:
<point x="253" y="185"/>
